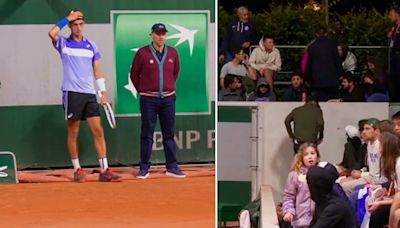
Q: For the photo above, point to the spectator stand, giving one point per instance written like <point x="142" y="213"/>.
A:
<point x="291" y="56"/>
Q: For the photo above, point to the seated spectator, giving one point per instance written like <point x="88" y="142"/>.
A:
<point x="372" y="133"/>
<point x="396" y="123"/>
<point x="374" y="82"/>
<point x="331" y="210"/>
<point x="350" y="91"/>
<point x="296" y="91"/>
<point x="230" y="91"/>
<point x="351" y="148"/>
<point x="390" y="162"/>
<point x="240" y="88"/>
<point x="349" y="60"/>
<point x="240" y="33"/>
<point x="263" y="92"/>
<point x="237" y="67"/>
<point x="360" y="155"/>
<point x="265" y="60"/>
<point x="385" y="126"/>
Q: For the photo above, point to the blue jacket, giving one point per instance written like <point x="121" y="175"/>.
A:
<point x="292" y="94"/>
<point x="324" y="66"/>
<point x="236" y="33"/>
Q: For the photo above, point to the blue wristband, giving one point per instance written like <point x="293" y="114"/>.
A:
<point x="62" y="23"/>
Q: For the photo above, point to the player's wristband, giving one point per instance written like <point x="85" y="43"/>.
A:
<point x="62" y="23"/>
<point x="101" y="84"/>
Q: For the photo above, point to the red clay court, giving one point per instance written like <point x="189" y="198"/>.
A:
<point x="48" y="199"/>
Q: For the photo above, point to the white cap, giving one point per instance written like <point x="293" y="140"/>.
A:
<point x="351" y="131"/>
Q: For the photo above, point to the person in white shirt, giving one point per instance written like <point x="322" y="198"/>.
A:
<point x="349" y="60"/>
<point x="371" y="134"/>
<point x="265" y="60"/>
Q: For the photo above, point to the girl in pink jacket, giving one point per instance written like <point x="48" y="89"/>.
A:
<point x="298" y="208"/>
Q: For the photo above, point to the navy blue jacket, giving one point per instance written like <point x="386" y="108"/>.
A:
<point x="324" y="66"/>
<point x="292" y="94"/>
<point x="236" y="33"/>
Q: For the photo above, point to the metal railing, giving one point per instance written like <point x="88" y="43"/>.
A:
<point x="302" y="47"/>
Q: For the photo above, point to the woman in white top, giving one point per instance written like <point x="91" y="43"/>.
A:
<point x="349" y="60"/>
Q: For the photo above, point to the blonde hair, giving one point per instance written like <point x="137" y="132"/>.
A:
<point x="300" y="154"/>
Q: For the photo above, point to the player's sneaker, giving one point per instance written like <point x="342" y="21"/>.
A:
<point x="109" y="176"/>
<point x="143" y="174"/>
<point x="79" y="176"/>
<point x="176" y="172"/>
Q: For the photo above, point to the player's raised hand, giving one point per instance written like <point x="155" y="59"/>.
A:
<point x="74" y="15"/>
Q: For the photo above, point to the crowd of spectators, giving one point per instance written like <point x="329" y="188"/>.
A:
<point x="362" y="190"/>
<point x="326" y="68"/>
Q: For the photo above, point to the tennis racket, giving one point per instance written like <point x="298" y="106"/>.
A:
<point x="109" y="113"/>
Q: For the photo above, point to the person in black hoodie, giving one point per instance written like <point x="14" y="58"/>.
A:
<point x="351" y="148"/>
<point x="240" y="33"/>
<point x="331" y="210"/>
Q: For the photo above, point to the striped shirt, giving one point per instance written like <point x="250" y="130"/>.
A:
<point x="77" y="59"/>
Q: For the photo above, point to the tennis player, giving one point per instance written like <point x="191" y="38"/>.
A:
<point x="154" y="72"/>
<point x="81" y="61"/>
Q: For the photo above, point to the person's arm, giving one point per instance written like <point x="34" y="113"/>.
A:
<point x="136" y="70"/>
<point x="253" y="59"/>
<point x="224" y="72"/>
<point x="375" y="205"/>
<point x="288" y="125"/>
<point x="320" y="127"/>
<point x="99" y="80"/>
<point x="177" y="67"/>
<point x="289" y="197"/>
<point x="276" y="66"/>
<point x="394" y="216"/>
<point x="279" y="62"/>
<point x="53" y="33"/>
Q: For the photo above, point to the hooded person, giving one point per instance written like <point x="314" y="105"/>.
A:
<point x="263" y="92"/>
<point x="351" y="154"/>
<point x="331" y="210"/>
<point x="265" y="60"/>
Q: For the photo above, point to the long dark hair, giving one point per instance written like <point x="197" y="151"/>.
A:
<point x="390" y="146"/>
<point x="345" y="51"/>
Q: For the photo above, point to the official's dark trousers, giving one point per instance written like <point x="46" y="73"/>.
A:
<point x="164" y="108"/>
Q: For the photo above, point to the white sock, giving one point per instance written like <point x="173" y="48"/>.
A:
<point x="103" y="164"/>
<point x="75" y="163"/>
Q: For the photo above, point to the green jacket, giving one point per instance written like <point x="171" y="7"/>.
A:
<point x="308" y="123"/>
